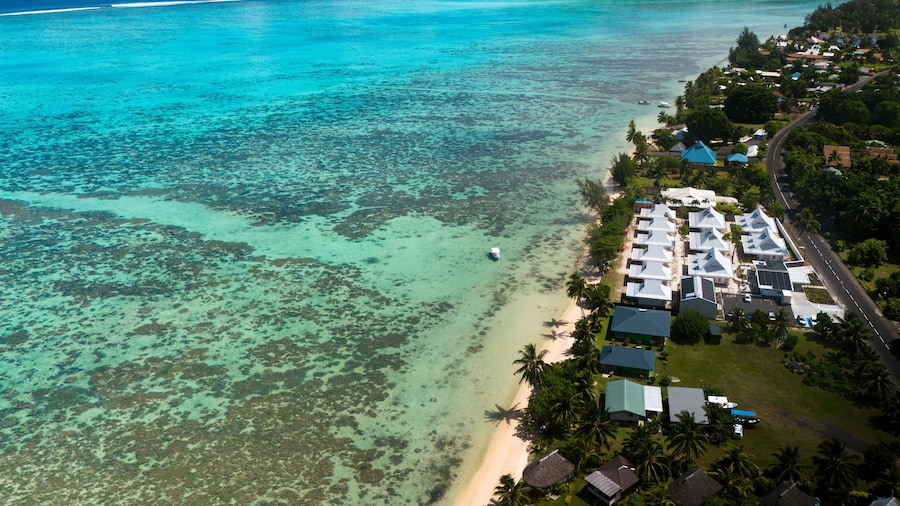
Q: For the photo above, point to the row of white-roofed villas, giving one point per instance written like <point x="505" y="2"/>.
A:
<point x="760" y="237"/>
<point x="650" y="267"/>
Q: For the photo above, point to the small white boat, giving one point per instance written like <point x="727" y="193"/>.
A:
<point x="495" y="253"/>
<point x="664" y="104"/>
<point x="644" y="102"/>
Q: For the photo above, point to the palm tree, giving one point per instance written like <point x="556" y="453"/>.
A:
<point x="632" y="131"/>
<point x="787" y="466"/>
<point x="852" y="334"/>
<point x="575" y="289"/>
<point x="657" y="172"/>
<point x="875" y="383"/>
<point x="737" y="462"/>
<point x="637" y="444"/>
<point x="654" y="467"/>
<point x="641" y="149"/>
<point x="781" y="323"/>
<point x="586" y="354"/>
<point x="596" y="298"/>
<point x="739" y="320"/>
<point x="835" y="469"/>
<point x="687" y="441"/>
<point x="835" y="158"/>
<point x="806" y="221"/>
<point x="583" y="453"/>
<point x="594" y="426"/>
<point x="511" y="492"/>
<point x="532" y="365"/>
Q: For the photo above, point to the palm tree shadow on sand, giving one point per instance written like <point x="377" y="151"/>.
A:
<point x="501" y="414"/>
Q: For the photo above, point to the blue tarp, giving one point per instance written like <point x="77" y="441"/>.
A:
<point x="741" y="412"/>
<point x="699" y="153"/>
<point x="737" y="157"/>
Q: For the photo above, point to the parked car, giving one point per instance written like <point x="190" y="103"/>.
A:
<point x="738" y="431"/>
<point x="771" y="316"/>
<point x="746" y="297"/>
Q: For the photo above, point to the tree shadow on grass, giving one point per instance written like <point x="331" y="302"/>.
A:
<point x="501" y="414"/>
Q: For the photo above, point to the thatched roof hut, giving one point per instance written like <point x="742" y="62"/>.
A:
<point x="692" y="488"/>
<point x="547" y="471"/>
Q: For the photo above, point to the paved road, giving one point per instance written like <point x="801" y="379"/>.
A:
<point x="834" y="274"/>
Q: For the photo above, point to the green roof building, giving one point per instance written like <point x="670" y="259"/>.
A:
<point x="625" y="401"/>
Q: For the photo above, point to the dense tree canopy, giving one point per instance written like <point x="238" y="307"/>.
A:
<point x="751" y="104"/>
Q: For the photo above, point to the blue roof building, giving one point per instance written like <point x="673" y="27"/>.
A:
<point x="699" y="153"/>
<point x="631" y="361"/>
<point x="646" y="325"/>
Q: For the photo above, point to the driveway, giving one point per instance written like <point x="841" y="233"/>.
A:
<point x="757" y="303"/>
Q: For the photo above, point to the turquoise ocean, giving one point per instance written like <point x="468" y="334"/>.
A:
<point x="243" y="245"/>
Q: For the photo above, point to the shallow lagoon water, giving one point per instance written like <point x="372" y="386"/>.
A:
<point x="243" y="245"/>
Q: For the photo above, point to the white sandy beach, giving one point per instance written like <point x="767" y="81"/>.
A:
<point x="507" y="453"/>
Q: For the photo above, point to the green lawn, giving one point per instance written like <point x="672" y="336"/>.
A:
<point x="791" y="412"/>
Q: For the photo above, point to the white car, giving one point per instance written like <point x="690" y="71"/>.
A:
<point x="746" y="297"/>
<point x="738" y="431"/>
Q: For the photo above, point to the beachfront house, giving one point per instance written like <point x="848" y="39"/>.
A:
<point x="650" y="270"/>
<point x="652" y="253"/>
<point x="613" y="481"/>
<point x="624" y="401"/>
<point x="549" y="470"/>
<point x="656" y="223"/>
<point x="648" y="326"/>
<point x="627" y="361"/>
<point x="658" y="210"/>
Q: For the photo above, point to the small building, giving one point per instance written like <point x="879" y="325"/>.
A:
<point x="837" y="155"/>
<point x="653" y="293"/>
<point x="650" y="270"/>
<point x="687" y="399"/>
<point x="772" y="279"/>
<point x="613" y="481"/>
<point x="652" y="253"/>
<point x="630" y="361"/>
<point x="657" y="237"/>
<point x="708" y="239"/>
<point x="693" y="488"/>
<point x="765" y="245"/>
<point x="547" y="471"/>
<point x="656" y="223"/>
<point x="645" y="325"/>
<point x="653" y="403"/>
<point x="712" y="265"/>
<point x="658" y="210"/>
<point x="699" y="294"/>
<point x="624" y="401"/>
<point x="788" y="494"/>
<point x="708" y="218"/>
<point x="714" y="334"/>
<point x="699" y="154"/>
<point x="755" y="221"/>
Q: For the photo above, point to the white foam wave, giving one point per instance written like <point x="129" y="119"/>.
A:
<point x="168" y="4"/>
<point x="49" y="11"/>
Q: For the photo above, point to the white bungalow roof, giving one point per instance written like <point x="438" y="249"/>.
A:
<point x="712" y="263"/>
<point x="763" y="243"/>
<point x="706" y="240"/>
<point x="658" y="210"/>
<point x="707" y="218"/>
<point x="652" y="289"/>
<point x="757" y="220"/>
<point x="653" y="398"/>
<point x="650" y="270"/>
<point x="656" y="223"/>
<point x="655" y="237"/>
<point x="654" y="253"/>
<point x="689" y="196"/>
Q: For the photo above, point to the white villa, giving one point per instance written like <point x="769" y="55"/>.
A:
<point x="711" y="264"/>
<point x="658" y="210"/>
<point x="650" y="270"/>
<point x="757" y="221"/>
<point x="708" y="239"/>
<point x="649" y="292"/>
<point x="657" y="237"/>
<point x="656" y="223"/>
<point x="708" y="218"/>
<point x="765" y="245"/>
<point x="652" y="253"/>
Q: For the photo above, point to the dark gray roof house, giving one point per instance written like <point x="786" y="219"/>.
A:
<point x="547" y="471"/>
<point x="687" y="399"/>
<point x="692" y="488"/>
<point x="787" y="494"/>
<point x="613" y="480"/>
<point x="646" y="325"/>
<point x="698" y="294"/>
<point x="626" y="360"/>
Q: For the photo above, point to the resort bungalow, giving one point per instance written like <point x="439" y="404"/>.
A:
<point x="699" y="154"/>
<point x="653" y="293"/>
<point x="711" y="264"/>
<point x="765" y="245"/>
<point x="708" y="239"/>
<point x="657" y="237"/>
<point x="547" y="471"/>
<point x="644" y="325"/>
<point x="706" y="219"/>
<point x="613" y="481"/>
<point x="687" y="399"/>
<point x="693" y="488"/>
<point x="755" y="221"/>
<point x="656" y="223"/>
<point x="650" y="270"/>
<point x="629" y="361"/>
<point x="658" y="210"/>
<point x="652" y="253"/>
<point x="698" y="294"/>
